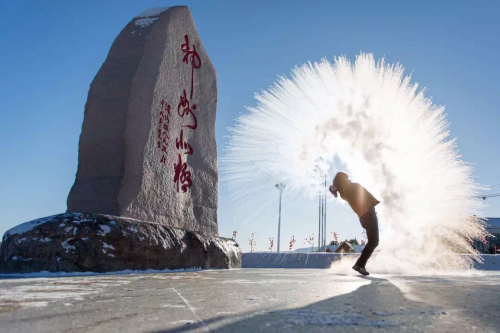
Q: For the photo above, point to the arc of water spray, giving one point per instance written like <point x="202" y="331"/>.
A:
<point x="391" y="138"/>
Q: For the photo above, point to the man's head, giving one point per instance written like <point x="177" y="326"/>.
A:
<point x="340" y="183"/>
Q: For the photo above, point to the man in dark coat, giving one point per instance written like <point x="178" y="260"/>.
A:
<point x="363" y="204"/>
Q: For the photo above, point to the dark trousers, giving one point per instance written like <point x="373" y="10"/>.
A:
<point x="369" y="222"/>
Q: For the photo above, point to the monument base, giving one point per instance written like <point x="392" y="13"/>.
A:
<point x="77" y="242"/>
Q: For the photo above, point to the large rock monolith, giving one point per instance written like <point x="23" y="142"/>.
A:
<point x="147" y="150"/>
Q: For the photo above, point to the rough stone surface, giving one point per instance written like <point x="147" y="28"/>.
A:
<point x="121" y="169"/>
<point x="75" y="242"/>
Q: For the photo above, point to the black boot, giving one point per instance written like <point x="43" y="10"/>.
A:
<point x="361" y="270"/>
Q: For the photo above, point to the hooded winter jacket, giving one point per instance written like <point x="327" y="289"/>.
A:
<point x="356" y="195"/>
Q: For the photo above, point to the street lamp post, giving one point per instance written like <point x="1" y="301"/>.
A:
<point x="319" y="221"/>
<point x="281" y="188"/>
<point x="324" y="217"/>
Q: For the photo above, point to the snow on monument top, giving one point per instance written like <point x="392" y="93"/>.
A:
<point x="152" y="12"/>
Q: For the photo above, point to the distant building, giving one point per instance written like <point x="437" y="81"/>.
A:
<point x="493" y="227"/>
<point x="306" y="249"/>
<point x="345" y="247"/>
<point x="330" y="249"/>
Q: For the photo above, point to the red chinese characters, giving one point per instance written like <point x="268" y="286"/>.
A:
<point x="181" y="144"/>
<point x="190" y="56"/>
<point x="163" y="124"/>
<point x="182" y="176"/>
<point x="185" y="109"/>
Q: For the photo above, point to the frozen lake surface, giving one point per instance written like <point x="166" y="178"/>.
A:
<point x="251" y="300"/>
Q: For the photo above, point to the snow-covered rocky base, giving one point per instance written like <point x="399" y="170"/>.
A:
<point x="76" y="242"/>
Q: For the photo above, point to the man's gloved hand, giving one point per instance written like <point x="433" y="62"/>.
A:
<point x="333" y="190"/>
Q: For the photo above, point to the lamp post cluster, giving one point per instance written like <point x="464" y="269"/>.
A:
<point x="322" y="215"/>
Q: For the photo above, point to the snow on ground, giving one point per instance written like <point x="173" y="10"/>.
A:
<point x="321" y="318"/>
<point x="77" y="274"/>
<point x="40" y="292"/>
<point x="40" y="289"/>
<point x="297" y="300"/>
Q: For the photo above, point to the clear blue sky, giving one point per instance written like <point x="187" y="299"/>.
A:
<point x="51" y="50"/>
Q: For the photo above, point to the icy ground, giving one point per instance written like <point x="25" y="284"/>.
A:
<point x="252" y="300"/>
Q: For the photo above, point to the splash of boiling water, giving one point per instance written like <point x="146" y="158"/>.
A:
<point x="387" y="135"/>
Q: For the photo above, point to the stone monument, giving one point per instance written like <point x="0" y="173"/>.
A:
<point x="146" y="188"/>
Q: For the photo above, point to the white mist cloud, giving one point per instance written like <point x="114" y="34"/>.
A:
<point x="390" y="137"/>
